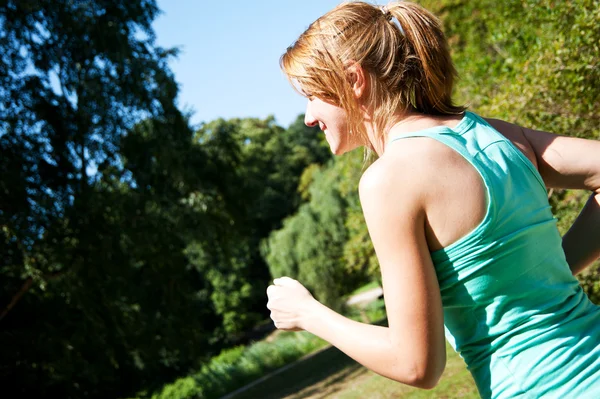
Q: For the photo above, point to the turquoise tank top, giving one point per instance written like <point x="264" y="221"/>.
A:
<point x="512" y="308"/>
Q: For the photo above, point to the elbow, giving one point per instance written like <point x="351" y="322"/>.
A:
<point x="425" y="379"/>
<point x="420" y="365"/>
<point x="423" y="375"/>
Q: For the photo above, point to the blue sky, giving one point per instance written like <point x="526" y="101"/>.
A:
<point x="229" y="61"/>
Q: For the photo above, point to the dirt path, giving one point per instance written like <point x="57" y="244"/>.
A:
<point x="365" y="297"/>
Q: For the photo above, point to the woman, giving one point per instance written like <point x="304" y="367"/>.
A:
<point x="457" y="210"/>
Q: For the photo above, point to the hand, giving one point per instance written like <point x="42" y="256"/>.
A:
<point x="289" y="303"/>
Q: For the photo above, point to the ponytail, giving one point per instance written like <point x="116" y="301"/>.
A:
<point x="430" y="65"/>
<point x="402" y="49"/>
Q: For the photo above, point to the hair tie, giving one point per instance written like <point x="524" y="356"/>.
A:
<point x="388" y="16"/>
<point x="386" y="13"/>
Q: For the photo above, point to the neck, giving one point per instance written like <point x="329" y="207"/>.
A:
<point x="397" y="122"/>
<point x="411" y="122"/>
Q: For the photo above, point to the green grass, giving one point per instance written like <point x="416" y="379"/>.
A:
<point x="456" y="382"/>
<point x="322" y="371"/>
<point x="331" y="374"/>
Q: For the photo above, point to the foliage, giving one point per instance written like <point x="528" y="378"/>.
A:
<point x="260" y="165"/>
<point x="129" y="242"/>
<point x="134" y="248"/>
<point x="311" y="244"/>
<point x="238" y="366"/>
<point x="535" y="63"/>
<point x="532" y="62"/>
<point x="100" y="298"/>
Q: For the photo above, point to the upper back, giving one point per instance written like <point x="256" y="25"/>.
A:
<point x="505" y="285"/>
<point x="458" y="198"/>
<point x="514" y="247"/>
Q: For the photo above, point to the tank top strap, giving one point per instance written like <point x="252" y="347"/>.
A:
<point x="461" y="141"/>
<point x="455" y="138"/>
<point x="442" y="134"/>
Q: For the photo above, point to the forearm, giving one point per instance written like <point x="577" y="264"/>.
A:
<point x="582" y="242"/>
<point x="372" y="346"/>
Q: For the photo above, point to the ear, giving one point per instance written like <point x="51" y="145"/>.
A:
<point x="358" y="79"/>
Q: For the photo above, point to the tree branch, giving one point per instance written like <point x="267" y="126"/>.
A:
<point x="24" y="288"/>
<point x="17" y="296"/>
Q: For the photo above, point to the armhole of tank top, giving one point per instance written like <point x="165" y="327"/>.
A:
<point x="526" y="161"/>
<point x="490" y="213"/>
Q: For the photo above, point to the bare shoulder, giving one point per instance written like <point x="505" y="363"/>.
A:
<point x="563" y="161"/>
<point x="516" y="135"/>
<point x="406" y="169"/>
<point x="422" y="178"/>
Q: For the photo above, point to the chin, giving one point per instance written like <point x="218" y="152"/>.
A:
<point x="342" y="149"/>
<point x="337" y="150"/>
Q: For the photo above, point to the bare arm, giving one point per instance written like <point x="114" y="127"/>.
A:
<point x="412" y="349"/>
<point x="567" y="162"/>
<point x="582" y="242"/>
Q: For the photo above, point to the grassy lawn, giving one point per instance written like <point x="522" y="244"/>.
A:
<point x="356" y="382"/>
<point x="331" y="374"/>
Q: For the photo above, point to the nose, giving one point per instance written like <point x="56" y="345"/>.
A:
<point x="309" y="119"/>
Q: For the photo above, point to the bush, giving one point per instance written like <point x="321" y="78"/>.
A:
<point x="238" y="366"/>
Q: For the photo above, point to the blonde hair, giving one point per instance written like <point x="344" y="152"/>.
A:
<point x="407" y="66"/>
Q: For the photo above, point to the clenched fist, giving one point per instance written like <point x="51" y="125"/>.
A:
<point x="289" y="303"/>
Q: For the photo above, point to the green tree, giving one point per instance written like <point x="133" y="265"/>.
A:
<point x="315" y="245"/>
<point x="259" y="164"/>
<point x="98" y="297"/>
<point x="535" y="63"/>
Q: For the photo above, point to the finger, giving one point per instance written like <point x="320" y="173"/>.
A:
<point x="274" y="305"/>
<point x="285" y="282"/>
<point x="275" y="319"/>
<point x="271" y="290"/>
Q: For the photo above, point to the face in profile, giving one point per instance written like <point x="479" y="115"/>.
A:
<point x="333" y="121"/>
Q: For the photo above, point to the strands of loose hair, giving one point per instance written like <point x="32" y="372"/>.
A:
<point x="406" y="60"/>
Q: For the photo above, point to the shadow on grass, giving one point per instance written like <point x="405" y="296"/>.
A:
<point x="303" y="374"/>
<point x="328" y="364"/>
